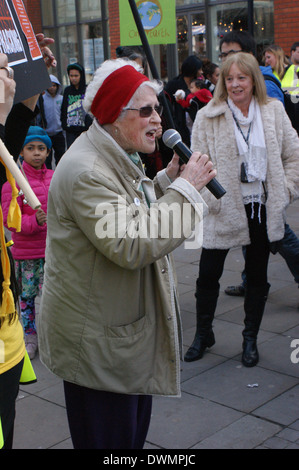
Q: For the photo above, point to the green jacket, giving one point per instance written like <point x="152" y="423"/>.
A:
<point x="109" y="317"/>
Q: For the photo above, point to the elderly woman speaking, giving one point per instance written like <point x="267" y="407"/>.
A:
<point x="255" y="149"/>
<point x="109" y="322"/>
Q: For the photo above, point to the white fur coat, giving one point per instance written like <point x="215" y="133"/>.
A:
<point x="213" y="133"/>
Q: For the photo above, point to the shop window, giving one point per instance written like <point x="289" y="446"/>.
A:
<point x="93" y="47"/>
<point x="263" y="25"/>
<point x="234" y="16"/>
<point x="90" y="9"/>
<point x="66" y="11"/>
<point x="188" y="2"/>
<point x="182" y="38"/>
<point x="47" y="13"/>
<point x="69" y="53"/>
<point x="199" y="44"/>
<point x="191" y="36"/>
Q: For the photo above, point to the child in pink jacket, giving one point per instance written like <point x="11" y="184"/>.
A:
<point x="29" y="245"/>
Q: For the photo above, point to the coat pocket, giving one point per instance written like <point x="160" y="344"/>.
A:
<point x="128" y="330"/>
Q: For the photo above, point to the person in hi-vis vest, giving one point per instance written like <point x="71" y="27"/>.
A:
<point x="290" y="80"/>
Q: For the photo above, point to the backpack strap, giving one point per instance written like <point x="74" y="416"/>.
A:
<point x="272" y="79"/>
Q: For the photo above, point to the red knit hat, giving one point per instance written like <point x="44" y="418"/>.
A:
<point x="115" y="93"/>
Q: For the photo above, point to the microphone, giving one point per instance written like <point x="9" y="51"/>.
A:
<point x="173" y="140"/>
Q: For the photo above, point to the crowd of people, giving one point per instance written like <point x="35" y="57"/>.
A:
<point x="91" y="244"/>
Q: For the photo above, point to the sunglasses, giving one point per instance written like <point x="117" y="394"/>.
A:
<point x="147" y="111"/>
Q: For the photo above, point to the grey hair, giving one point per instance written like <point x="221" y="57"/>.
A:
<point x="105" y="69"/>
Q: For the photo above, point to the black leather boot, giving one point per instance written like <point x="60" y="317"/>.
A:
<point x="254" y="306"/>
<point x="204" y="337"/>
<point x="199" y="345"/>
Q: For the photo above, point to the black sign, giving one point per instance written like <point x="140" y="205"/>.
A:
<point x="18" y="42"/>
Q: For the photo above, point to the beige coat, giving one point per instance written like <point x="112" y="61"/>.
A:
<point x="109" y="316"/>
<point x="213" y="133"/>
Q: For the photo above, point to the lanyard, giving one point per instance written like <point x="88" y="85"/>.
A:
<point x="239" y="128"/>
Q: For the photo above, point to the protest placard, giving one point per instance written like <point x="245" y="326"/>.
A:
<point x="18" y="42"/>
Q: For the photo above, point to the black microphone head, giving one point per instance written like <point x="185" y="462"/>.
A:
<point x="171" y="137"/>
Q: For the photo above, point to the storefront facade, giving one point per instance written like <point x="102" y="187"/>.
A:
<point x="87" y="31"/>
<point x="80" y="30"/>
<point x="200" y="26"/>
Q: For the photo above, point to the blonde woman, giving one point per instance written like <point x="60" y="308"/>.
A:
<point x="255" y="150"/>
<point x="275" y="57"/>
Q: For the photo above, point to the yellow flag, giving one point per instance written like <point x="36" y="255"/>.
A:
<point x="14" y="216"/>
<point x="14" y="220"/>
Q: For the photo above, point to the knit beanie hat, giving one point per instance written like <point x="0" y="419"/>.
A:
<point x="38" y="133"/>
<point x="75" y="66"/>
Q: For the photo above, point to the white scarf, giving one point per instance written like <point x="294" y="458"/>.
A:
<point x="254" y="154"/>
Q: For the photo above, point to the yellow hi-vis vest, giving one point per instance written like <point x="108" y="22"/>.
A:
<point x="290" y="80"/>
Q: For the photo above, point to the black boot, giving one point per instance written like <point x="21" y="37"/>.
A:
<point x="204" y="337"/>
<point x="254" y="305"/>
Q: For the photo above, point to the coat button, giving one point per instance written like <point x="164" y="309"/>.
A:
<point x="163" y="271"/>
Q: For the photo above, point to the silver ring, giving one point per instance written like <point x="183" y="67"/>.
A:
<point x="9" y="70"/>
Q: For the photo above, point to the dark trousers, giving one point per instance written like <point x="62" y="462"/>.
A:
<point x="106" y="420"/>
<point x="59" y="147"/>
<point x="9" y="389"/>
<point x="288" y="248"/>
<point x="256" y="264"/>
<point x="71" y="137"/>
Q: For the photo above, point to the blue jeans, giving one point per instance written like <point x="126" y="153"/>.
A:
<point x="288" y="248"/>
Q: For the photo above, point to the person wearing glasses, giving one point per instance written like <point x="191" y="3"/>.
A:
<point x="109" y="319"/>
<point x="241" y="41"/>
<point x="236" y="41"/>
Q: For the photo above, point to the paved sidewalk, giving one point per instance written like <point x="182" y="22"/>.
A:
<point x="223" y="405"/>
